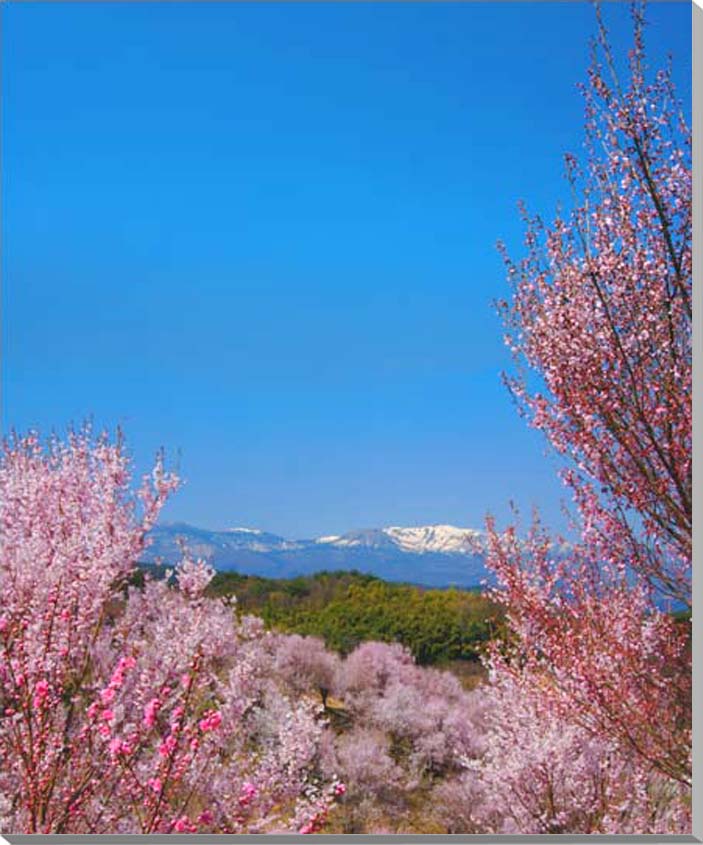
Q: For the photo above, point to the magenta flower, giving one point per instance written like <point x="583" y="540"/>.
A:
<point x="150" y="712"/>
<point x="210" y="722"/>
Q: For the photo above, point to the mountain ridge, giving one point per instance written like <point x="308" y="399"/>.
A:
<point x="433" y="555"/>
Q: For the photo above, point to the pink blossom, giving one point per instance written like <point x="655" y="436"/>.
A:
<point x="150" y="711"/>
<point x="247" y="794"/>
<point x="183" y="825"/>
<point x="41" y="692"/>
<point x="167" y="746"/>
<point x="107" y="695"/>
<point x="211" y="722"/>
<point x="115" y="746"/>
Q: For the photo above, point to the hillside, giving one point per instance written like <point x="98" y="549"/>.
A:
<point x="346" y="608"/>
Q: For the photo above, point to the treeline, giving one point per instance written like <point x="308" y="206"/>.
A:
<point x="349" y="608"/>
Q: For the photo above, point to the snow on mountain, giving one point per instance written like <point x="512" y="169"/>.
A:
<point x="435" y="555"/>
<point x="244" y="531"/>
<point x="253" y="539"/>
<point x="436" y="538"/>
<point x="418" y="539"/>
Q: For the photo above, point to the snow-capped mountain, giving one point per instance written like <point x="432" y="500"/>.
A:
<point x="421" y="539"/>
<point x="435" y="555"/>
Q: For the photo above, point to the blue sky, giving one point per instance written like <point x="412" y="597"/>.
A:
<point x="263" y="236"/>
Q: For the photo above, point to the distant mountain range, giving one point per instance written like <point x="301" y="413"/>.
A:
<point x="431" y="555"/>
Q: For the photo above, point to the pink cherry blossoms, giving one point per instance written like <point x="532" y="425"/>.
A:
<point x="127" y="710"/>
<point x="590" y="699"/>
<point x="600" y="319"/>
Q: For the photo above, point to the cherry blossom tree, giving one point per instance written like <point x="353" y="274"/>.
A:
<point x="128" y="710"/>
<point x="306" y="664"/>
<point x="601" y="313"/>
<point x="590" y="697"/>
<point x="412" y="728"/>
<point x="544" y="773"/>
<point x="590" y="658"/>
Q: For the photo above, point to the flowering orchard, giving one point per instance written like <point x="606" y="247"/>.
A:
<point x="156" y="709"/>
<point x="590" y="727"/>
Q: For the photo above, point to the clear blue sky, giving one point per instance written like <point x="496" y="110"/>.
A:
<point x="263" y="237"/>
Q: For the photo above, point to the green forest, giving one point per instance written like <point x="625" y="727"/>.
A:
<point x="347" y="608"/>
